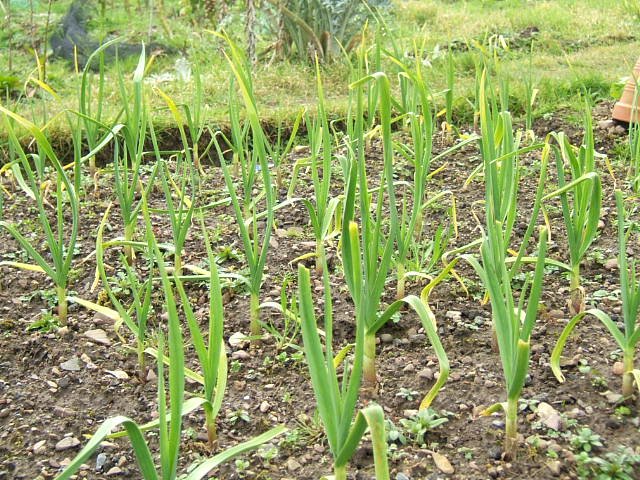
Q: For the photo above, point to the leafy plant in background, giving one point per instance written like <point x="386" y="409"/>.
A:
<point x="627" y="338"/>
<point x="60" y="235"/>
<point x="322" y="28"/>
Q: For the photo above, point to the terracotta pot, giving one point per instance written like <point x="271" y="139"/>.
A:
<point x="624" y="110"/>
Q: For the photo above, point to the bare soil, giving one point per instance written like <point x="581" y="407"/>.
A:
<point x="40" y="400"/>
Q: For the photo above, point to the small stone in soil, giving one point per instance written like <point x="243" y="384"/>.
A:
<point x="101" y="460"/>
<point x="618" y="368"/>
<point x="119" y="374"/>
<point x="442" y="463"/>
<point x="39" y="447"/>
<point x="293" y="465"/>
<point x="238" y="339"/>
<point x="62" y="411"/>
<point x="99" y="336"/>
<point x="67" y="443"/>
<point x="386" y="338"/>
<point x="114" y="471"/>
<point x="426" y="374"/>
<point x="549" y="416"/>
<point x="240" y="355"/>
<point x="495" y="453"/>
<point x="71" y="365"/>
<point x="555" y="466"/>
<point x="612" y="397"/>
<point x="611" y="264"/>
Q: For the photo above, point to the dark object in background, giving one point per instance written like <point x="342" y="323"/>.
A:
<point x="73" y="33"/>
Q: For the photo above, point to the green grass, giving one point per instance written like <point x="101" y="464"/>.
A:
<point x="584" y="44"/>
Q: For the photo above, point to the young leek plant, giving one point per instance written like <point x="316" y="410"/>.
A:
<point x="449" y="93"/>
<point x="135" y="317"/>
<point x="180" y="212"/>
<point x="634" y="154"/>
<point x="126" y="166"/>
<point x="92" y="114"/>
<point x="60" y="235"/>
<point x="512" y="322"/>
<point x="322" y="210"/>
<point x="255" y="245"/>
<point x="629" y="337"/>
<point x="337" y="399"/>
<point x="367" y="259"/>
<point x="581" y="199"/>
<point x="366" y="276"/>
<point x="211" y="351"/>
<point x="421" y="128"/>
<point x="170" y="416"/>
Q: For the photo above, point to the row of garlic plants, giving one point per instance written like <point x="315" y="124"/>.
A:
<point x="378" y="222"/>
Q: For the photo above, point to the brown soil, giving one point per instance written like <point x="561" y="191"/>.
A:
<point x="41" y="401"/>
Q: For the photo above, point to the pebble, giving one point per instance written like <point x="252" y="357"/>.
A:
<point x="101" y="460"/>
<point x="618" y="368"/>
<point x="99" y="336"/>
<point x="426" y="374"/>
<point x="409" y="368"/>
<point x="497" y="424"/>
<point x="39" y="447"/>
<point x="606" y="124"/>
<point x="402" y="476"/>
<point x="611" y="264"/>
<point x="238" y="339"/>
<point x="386" y="338"/>
<point x="67" y="443"/>
<point x="453" y="315"/>
<point x="612" y="397"/>
<point x="555" y="466"/>
<point x="151" y="375"/>
<point x="119" y="374"/>
<point x="240" y="355"/>
<point x="113" y="471"/>
<point x="556" y="313"/>
<point x="442" y="463"/>
<point x="549" y="416"/>
<point x="71" y="365"/>
<point x="88" y="362"/>
<point x="63" y="331"/>
<point x="293" y="464"/>
<point x="495" y="453"/>
<point x="63" y="411"/>
<point x="408" y="413"/>
<point x="264" y="407"/>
